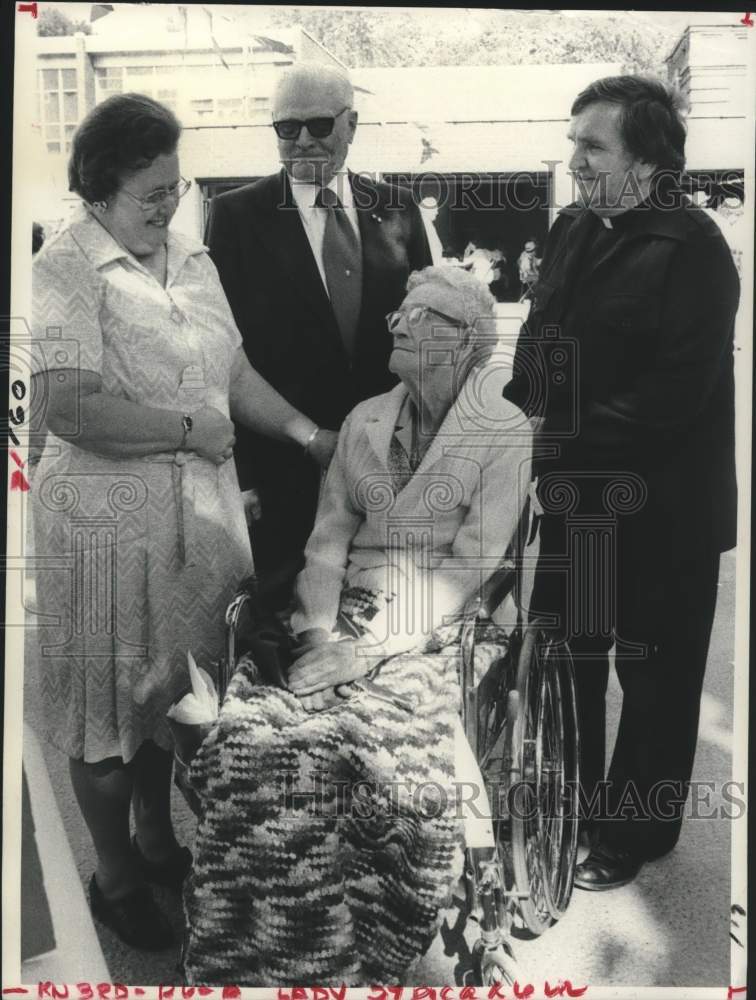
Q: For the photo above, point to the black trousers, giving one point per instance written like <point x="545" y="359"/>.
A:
<point x="655" y="603"/>
<point x="289" y="499"/>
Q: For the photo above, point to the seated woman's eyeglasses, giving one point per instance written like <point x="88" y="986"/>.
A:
<point x="416" y="315"/>
<point x="155" y="198"/>
<point x="319" y="128"/>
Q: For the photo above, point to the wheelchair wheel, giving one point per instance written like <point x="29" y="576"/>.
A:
<point x="494" y="966"/>
<point x="563" y="864"/>
<point x="544" y="775"/>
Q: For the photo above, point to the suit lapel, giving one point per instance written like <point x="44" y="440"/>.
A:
<point x="585" y="227"/>
<point x="576" y="240"/>
<point x="384" y="266"/>
<point x="450" y="437"/>
<point x="380" y="428"/>
<point x="646" y="221"/>
<point x="282" y="231"/>
<point x="452" y="460"/>
<point x="369" y="210"/>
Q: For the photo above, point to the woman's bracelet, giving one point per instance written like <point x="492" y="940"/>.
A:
<point x="310" y="439"/>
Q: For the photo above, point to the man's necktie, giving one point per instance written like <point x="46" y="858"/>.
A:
<point x="342" y="262"/>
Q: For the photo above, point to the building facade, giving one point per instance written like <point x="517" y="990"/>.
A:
<point x="487" y="143"/>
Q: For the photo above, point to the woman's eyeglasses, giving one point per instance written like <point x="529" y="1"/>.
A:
<point x="319" y="128"/>
<point x="415" y="315"/>
<point x="156" y="198"/>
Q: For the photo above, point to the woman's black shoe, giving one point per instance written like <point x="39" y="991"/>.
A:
<point x="135" y="918"/>
<point x="170" y="873"/>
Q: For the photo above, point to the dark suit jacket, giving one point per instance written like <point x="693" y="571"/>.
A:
<point x="644" y="382"/>
<point x="258" y="243"/>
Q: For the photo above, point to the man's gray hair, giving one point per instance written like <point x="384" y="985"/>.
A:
<point x="476" y="304"/>
<point x="317" y="76"/>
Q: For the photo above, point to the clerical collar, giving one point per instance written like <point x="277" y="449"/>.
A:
<point x="624" y="220"/>
<point x="619" y="223"/>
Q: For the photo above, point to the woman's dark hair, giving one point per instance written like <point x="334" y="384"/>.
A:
<point x="651" y="122"/>
<point x="122" y="134"/>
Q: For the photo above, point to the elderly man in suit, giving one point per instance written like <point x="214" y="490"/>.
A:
<point x="636" y="472"/>
<point x="312" y="259"/>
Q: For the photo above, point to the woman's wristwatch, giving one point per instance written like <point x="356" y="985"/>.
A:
<point x="186" y="423"/>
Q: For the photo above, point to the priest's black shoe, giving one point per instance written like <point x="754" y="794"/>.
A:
<point x="607" y="867"/>
<point x="588" y="835"/>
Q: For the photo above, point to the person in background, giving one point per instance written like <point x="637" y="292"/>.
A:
<point x="429" y="213"/>
<point x="140" y="537"/>
<point x="311" y="259"/>
<point x="499" y="284"/>
<point x="528" y="265"/>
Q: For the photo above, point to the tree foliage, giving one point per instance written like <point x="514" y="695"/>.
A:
<point x="52" y="22"/>
<point x="384" y="37"/>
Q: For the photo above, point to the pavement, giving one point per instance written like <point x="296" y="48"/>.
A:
<point x="670" y="927"/>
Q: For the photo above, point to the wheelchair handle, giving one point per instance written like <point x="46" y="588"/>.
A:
<point x="233" y="616"/>
<point x="497" y="588"/>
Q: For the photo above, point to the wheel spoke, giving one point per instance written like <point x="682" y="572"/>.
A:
<point x="543" y="836"/>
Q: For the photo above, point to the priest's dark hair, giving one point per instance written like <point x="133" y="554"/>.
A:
<point x="651" y="121"/>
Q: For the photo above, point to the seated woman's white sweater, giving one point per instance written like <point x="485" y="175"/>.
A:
<point x="426" y="550"/>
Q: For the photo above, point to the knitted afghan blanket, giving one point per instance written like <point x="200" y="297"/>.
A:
<point x="329" y="842"/>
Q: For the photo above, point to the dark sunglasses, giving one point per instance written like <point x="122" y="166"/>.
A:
<point x="319" y="128"/>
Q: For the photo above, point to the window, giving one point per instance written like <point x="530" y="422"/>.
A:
<point x="158" y="82"/>
<point x="203" y="107"/>
<point x="109" y="81"/>
<point x="195" y="92"/>
<point x="168" y="97"/>
<point x="230" y="108"/>
<point x="60" y="108"/>
<point x="214" y="92"/>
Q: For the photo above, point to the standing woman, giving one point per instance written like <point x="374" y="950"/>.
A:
<point x="139" y="523"/>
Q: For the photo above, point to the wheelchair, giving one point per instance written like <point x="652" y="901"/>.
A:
<point x="520" y="719"/>
<point x="519" y="715"/>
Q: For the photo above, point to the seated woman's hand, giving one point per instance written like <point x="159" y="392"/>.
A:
<point x="212" y="435"/>
<point x="311" y="638"/>
<point x="327" y="665"/>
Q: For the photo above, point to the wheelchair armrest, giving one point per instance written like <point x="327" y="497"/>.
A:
<point x="497" y="588"/>
<point x="504" y="579"/>
<point x="251" y="627"/>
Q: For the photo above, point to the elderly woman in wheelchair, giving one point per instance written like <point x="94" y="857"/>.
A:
<point x="330" y="834"/>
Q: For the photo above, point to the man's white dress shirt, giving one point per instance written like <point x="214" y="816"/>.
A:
<point x="314" y="218"/>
